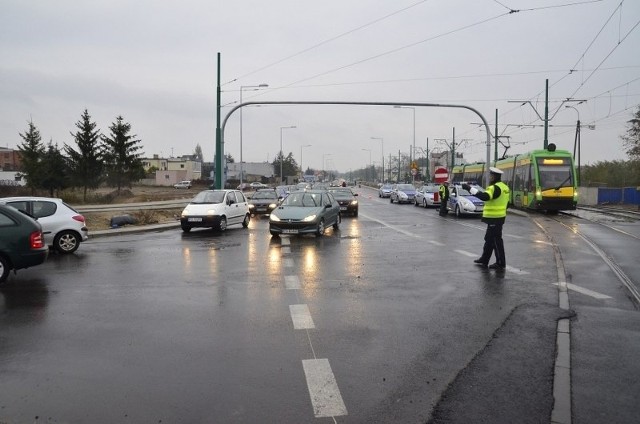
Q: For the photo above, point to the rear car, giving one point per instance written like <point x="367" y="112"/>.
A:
<point x="21" y="242"/>
<point x="403" y="193"/>
<point x="427" y="196"/>
<point x="215" y="209"/>
<point x="263" y="201"/>
<point x="62" y="226"/>
<point x="346" y="199"/>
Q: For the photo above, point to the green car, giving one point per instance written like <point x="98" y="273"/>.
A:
<point x="305" y="212"/>
<point x="21" y="242"/>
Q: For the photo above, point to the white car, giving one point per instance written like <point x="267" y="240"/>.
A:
<point x="63" y="227"/>
<point x="216" y="209"/>
<point x="183" y="184"/>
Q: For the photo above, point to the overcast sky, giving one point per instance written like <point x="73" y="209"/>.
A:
<point x="155" y="63"/>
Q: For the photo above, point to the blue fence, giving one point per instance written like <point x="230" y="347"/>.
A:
<point x="626" y="195"/>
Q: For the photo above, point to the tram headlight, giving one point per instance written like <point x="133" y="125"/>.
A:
<point x="538" y="194"/>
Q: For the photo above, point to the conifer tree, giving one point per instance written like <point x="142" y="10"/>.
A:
<point x="31" y="153"/>
<point x="122" y="156"/>
<point x="54" y="170"/>
<point x="85" y="164"/>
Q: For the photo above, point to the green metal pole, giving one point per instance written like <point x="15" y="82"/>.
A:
<point x="219" y="142"/>
<point x="453" y="150"/>
<point x="546" y="115"/>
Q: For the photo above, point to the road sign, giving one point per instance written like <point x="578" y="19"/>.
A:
<point x="441" y="175"/>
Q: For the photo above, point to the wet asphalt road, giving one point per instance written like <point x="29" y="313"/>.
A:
<point x="386" y="320"/>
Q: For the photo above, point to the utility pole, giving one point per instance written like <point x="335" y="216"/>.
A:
<point x="453" y="150"/>
<point x="219" y="147"/>
<point x="546" y="115"/>
<point x="495" y="154"/>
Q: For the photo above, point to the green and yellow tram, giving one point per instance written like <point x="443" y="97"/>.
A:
<point x="539" y="180"/>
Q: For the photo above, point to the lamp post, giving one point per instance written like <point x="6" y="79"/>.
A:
<point x="368" y="150"/>
<point x="324" y="172"/>
<point x="281" y="155"/>
<point x="382" y="150"/>
<point x="301" y="168"/>
<point x="413" y="150"/>
<point x="577" y="141"/>
<point x="254" y="88"/>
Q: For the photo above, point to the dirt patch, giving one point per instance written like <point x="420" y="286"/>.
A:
<point x="102" y="220"/>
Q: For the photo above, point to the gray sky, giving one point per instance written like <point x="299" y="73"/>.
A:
<point x="155" y="64"/>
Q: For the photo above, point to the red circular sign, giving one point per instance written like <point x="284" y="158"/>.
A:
<point x="441" y="175"/>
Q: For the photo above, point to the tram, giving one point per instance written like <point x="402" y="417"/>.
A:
<point x="539" y="180"/>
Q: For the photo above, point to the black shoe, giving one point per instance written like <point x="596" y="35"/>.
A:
<point x="497" y="266"/>
<point x="480" y="263"/>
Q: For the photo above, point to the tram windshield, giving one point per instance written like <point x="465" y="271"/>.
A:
<point x="555" y="173"/>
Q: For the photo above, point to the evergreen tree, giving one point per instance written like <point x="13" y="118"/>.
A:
<point x="31" y="153"/>
<point x="85" y="165"/>
<point x="230" y="158"/>
<point x="632" y="138"/>
<point x="54" y="170"/>
<point x="121" y="156"/>
<point x="289" y="166"/>
<point x="198" y="153"/>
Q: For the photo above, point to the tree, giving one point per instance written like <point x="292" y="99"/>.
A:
<point x="230" y="158"/>
<point x="198" y="153"/>
<point x="54" y="170"/>
<point x="85" y="165"/>
<point x="289" y="165"/>
<point x="31" y="153"/>
<point x="121" y="158"/>
<point x="632" y="138"/>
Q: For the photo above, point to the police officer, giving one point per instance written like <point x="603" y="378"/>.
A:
<point x="496" y="198"/>
<point x="444" y="197"/>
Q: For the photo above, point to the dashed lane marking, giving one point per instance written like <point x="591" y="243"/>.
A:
<point x="509" y="267"/>
<point x="285" y="250"/>
<point x="323" y="389"/>
<point x="288" y="263"/>
<point x="584" y="291"/>
<point x="301" y="317"/>
<point x="292" y="282"/>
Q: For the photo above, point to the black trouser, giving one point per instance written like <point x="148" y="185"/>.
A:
<point x="443" y="207"/>
<point x="493" y="242"/>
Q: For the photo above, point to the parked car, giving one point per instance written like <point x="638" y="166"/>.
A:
<point x="257" y="185"/>
<point x="216" y="209"/>
<point x="385" y="190"/>
<point x="346" y="199"/>
<point x="183" y="184"/>
<point x="461" y="202"/>
<point x="263" y="201"/>
<point x="21" y="242"/>
<point x="427" y="196"/>
<point x="403" y="193"/>
<point x="305" y="212"/>
<point x="62" y="226"/>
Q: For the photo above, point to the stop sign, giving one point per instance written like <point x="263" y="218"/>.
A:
<point x="441" y="175"/>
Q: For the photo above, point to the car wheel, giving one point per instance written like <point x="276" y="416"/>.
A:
<point x="4" y="268"/>
<point x="424" y="203"/>
<point x="336" y="225"/>
<point x="66" y="242"/>
<point x="320" y="230"/>
<point x="186" y="229"/>
<point x="223" y="224"/>
<point x="458" y="211"/>
<point x="245" y="223"/>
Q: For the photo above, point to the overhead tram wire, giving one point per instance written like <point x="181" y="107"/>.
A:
<point x="368" y="24"/>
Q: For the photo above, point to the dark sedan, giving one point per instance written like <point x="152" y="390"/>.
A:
<point x="21" y="241"/>
<point x="305" y="212"/>
<point x="346" y="199"/>
<point x="263" y="202"/>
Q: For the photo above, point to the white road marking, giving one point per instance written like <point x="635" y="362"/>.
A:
<point x="436" y="243"/>
<point x="465" y="253"/>
<point x="301" y="317"/>
<point x="323" y="389"/>
<point x="509" y="268"/>
<point x="285" y="250"/>
<point x="582" y="290"/>
<point x="292" y="282"/>
<point x="288" y="263"/>
<point x="285" y="242"/>
<point x="400" y="230"/>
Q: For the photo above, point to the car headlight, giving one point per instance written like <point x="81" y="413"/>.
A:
<point x="273" y="217"/>
<point x="252" y="206"/>
<point x="402" y="194"/>
<point x="272" y="206"/>
<point x="354" y="202"/>
<point x="310" y="218"/>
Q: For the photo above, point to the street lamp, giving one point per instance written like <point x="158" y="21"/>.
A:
<point x="281" y="155"/>
<point x="413" y="151"/>
<point x="368" y="150"/>
<point x="324" y="172"/>
<point x="382" y="150"/>
<point x="301" y="168"/>
<point x="577" y="140"/>
<point x="254" y="88"/>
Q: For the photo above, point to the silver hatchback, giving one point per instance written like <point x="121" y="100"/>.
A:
<point x="63" y="227"/>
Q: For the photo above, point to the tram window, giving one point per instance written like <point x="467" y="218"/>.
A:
<point x="555" y="176"/>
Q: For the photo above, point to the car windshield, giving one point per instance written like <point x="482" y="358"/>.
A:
<point x="430" y="189"/>
<point x="303" y="199"/>
<point x="386" y="187"/>
<point x="342" y="193"/>
<point x="264" y="195"/>
<point x="462" y="192"/>
<point x="406" y="187"/>
<point x="205" y="197"/>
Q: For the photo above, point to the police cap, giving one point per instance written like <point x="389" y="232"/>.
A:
<point x="494" y="170"/>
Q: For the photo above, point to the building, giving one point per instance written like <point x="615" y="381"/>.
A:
<point x="9" y="159"/>
<point x="173" y="170"/>
<point x="252" y="171"/>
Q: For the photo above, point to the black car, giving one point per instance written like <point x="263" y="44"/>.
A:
<point x="21" y="242"/>
<point x="347" y="200"/>
<point x="263" y="202"/>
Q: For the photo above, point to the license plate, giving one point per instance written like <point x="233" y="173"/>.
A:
<point x="194" y="219"/>
<point x="343" y="208"/>
<point x="291" y="231"/>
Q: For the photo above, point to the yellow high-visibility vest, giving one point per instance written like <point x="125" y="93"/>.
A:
<point x="496" y="208"/>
